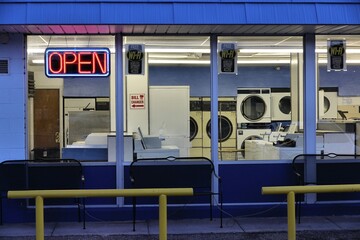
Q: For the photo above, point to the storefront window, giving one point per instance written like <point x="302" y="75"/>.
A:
<point x="70" y="113"/>
<point x="338" y="96"/>
<point x="175" y="88"/>
<point x="260" y="97"/>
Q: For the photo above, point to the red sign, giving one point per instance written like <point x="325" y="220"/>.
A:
<point x="137" y="101"/>
<point x="84" y="62"/>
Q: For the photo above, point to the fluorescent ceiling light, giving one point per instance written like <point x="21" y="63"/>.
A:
<point x="177" y="50"/>
<point x="271" y="50"/>
<point x="38" y="61"/>
<point x="171" y="61"/>
<point x="353" y="61"/>
<point x="289" y="50"/>
<point x="207" y="62"/>
<point x="263" y="61"/>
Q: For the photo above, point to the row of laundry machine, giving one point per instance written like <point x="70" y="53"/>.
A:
<point x="251" y="115"/>
<point x="200" y="125"/>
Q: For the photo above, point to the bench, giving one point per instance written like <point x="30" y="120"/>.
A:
<point x="331" y="169"/>
<point x="196" y="173"/>
<point x="45" y="174"/>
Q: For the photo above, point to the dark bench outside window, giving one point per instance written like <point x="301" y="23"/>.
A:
<point x="196" y="173"/>
<point x="45" y="174"/>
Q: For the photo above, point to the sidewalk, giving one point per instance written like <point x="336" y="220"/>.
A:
<point x="329" y="227"/>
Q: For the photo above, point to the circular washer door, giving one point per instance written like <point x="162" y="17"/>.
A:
<point x="194" y="128"/>
<point x="326" y="104"/>
<point x="225" y="128"/>
<point x="253" y="108"/>
<point x="285" y="105"/>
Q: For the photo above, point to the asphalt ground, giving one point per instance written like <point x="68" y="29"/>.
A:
<point x="311" y="228"/>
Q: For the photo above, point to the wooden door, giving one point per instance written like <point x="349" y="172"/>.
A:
<point x="46" y="123"/>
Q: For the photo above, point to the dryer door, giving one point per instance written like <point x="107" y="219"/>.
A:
<point x="253" y="108"/>
<point x="285" y="105"/>
<point x="194" y="128"/>
<point x="225" y="128"/>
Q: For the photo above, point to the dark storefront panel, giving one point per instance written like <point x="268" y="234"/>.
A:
<point x="243" y="182"/>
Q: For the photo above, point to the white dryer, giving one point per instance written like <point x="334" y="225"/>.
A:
<point x="253" y="105"/>
<point x="280" y="104"/>
<point x="249" y="134"/>
<point x="196" y="126"/>
<point x="328" y="103"/>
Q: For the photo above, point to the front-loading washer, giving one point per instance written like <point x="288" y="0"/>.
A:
<point x="280" y="104"/>
<point x="226" y="124"/>
<point x="253" y="105"/>
<point x="196" y="127"/>
<point x="249" y="134"/>
<point x="328" y="103"/>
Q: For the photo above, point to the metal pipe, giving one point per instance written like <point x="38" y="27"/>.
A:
<point x="292" y="190"/>
<point x="162" y="193"/>
<point x="39" y="217"/>
<point x="312" y="189"/>
<point x="291" y="216"/>
<point x="162" y="217"/>
<point x="78" y="193"/>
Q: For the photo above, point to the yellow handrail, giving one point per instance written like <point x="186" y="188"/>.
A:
<point x="162" y="193"/>
<point x="292" y="190"/>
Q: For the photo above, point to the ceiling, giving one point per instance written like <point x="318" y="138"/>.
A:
<point x="195" y="49"/>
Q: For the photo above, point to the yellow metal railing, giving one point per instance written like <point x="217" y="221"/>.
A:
<point x="292" y="190"/>
<point x="40" y="195"/>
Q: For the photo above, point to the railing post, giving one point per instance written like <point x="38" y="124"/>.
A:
<point x="162" y="217"/>
<point x="39" y="217"/>
<point x="291" y="216"/>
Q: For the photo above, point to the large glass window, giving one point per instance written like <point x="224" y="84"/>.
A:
<point x="261" y="98"/>
<point x="338" y="92"/>
<point x="175" y="86"/>
<point x="70" y="117"/>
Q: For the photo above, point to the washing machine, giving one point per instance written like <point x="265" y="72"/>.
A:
<point x="227" y="125"/>
<point x="249" y="134"/>
<point x="328" y="103"/>
<point x="280" y="104"/>
<point x="196" y="126"/>
<point x="253" y="105"/>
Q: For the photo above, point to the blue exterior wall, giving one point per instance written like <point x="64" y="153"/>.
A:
<point x="180" y="12"/>
<point x="13" y="100"/>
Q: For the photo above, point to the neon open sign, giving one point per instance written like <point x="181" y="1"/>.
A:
<point x="80" y="62"/>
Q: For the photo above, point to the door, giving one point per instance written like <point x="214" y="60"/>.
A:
<point x="46" y="123"/>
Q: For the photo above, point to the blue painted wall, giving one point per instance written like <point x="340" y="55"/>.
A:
<point x="12" y="99"/>
<point x="86" y="87"/>
<point x="198" y="78"/>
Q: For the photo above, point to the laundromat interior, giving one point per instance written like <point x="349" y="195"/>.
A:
<point x="168" y="105"/>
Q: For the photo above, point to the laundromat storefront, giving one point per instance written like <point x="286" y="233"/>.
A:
<point x="91" y="102"/>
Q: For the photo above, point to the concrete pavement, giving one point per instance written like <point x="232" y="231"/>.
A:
<point x="327" y="227"/>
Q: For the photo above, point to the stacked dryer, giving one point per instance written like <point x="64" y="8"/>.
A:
<point x="253" y="116"/>
<point x="226" y="128"/>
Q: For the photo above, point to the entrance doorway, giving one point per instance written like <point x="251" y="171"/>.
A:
<point x="46" y="124"/>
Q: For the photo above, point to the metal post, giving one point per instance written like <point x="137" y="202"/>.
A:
<point x="39" y="215"/>
<point x="291" y="216"/>
<point x="162" y="217"/>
